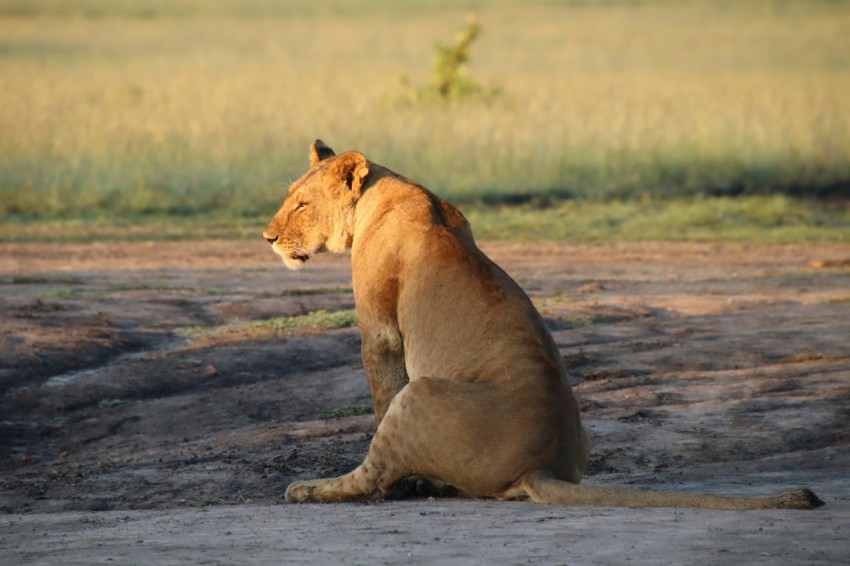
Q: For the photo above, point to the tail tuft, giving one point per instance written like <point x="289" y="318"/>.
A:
<point x="799" y="499"/>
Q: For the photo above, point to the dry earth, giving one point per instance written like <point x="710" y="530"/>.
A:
<point x="124" y="440"/>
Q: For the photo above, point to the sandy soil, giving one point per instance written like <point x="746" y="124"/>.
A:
<point x="122" y="440"/>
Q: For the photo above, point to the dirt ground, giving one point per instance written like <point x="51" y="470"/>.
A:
<point x="125" y="438"/>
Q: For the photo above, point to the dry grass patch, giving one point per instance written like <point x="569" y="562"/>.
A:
<point x="188" y="106"/>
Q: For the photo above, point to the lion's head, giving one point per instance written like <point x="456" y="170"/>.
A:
<point x="318" y="212"/>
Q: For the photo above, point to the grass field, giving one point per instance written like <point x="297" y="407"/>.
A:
<point x="776" y="219"/>
<point x="119" y="109"/>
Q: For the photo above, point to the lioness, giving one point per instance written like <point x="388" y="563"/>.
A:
<point x="467" y="383"/>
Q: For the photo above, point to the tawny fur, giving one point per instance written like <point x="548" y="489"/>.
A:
<point x="468" y="386"/>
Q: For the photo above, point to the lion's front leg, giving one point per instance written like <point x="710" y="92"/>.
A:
<point x="383" y="361"/>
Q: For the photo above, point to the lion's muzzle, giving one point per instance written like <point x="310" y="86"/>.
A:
<point x="271" y="237"/>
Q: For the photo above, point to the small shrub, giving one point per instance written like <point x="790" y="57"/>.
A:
<point x="451" y="80"/>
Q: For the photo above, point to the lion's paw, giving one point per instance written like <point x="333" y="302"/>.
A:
<point x="299" y="492"/>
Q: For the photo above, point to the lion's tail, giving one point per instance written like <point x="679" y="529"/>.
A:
<point x="543" y="488"/>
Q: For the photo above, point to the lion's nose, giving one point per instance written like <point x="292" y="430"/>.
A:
<point x="271" y="231"/>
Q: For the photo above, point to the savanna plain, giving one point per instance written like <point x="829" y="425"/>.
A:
<point x="668" y="181"/>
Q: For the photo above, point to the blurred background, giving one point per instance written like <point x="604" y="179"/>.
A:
<point x="574" y="119"/>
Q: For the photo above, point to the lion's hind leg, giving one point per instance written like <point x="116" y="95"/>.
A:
<point x="384" y="466"/>
<point x="416" y="442"/>
<point x="387" y="462"/>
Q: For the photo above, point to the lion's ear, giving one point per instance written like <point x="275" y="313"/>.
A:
<point x="319" y="151"/>
<point x="352" y="167"/>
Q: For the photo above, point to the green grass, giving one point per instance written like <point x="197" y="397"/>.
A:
<point x="754" y="219"/>
<point x="315" y="320"/>
<point x="130" y="227"/>
<point x="758" y="219"/>
<point x="320" y="319"/>
<point x="79" y="292"/>
<point x="128" y="109"/>
<point x="342" y="412"/>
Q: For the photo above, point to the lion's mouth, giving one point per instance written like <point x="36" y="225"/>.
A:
<point x="300" y="256"/>
<point x="294" y="257"/>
